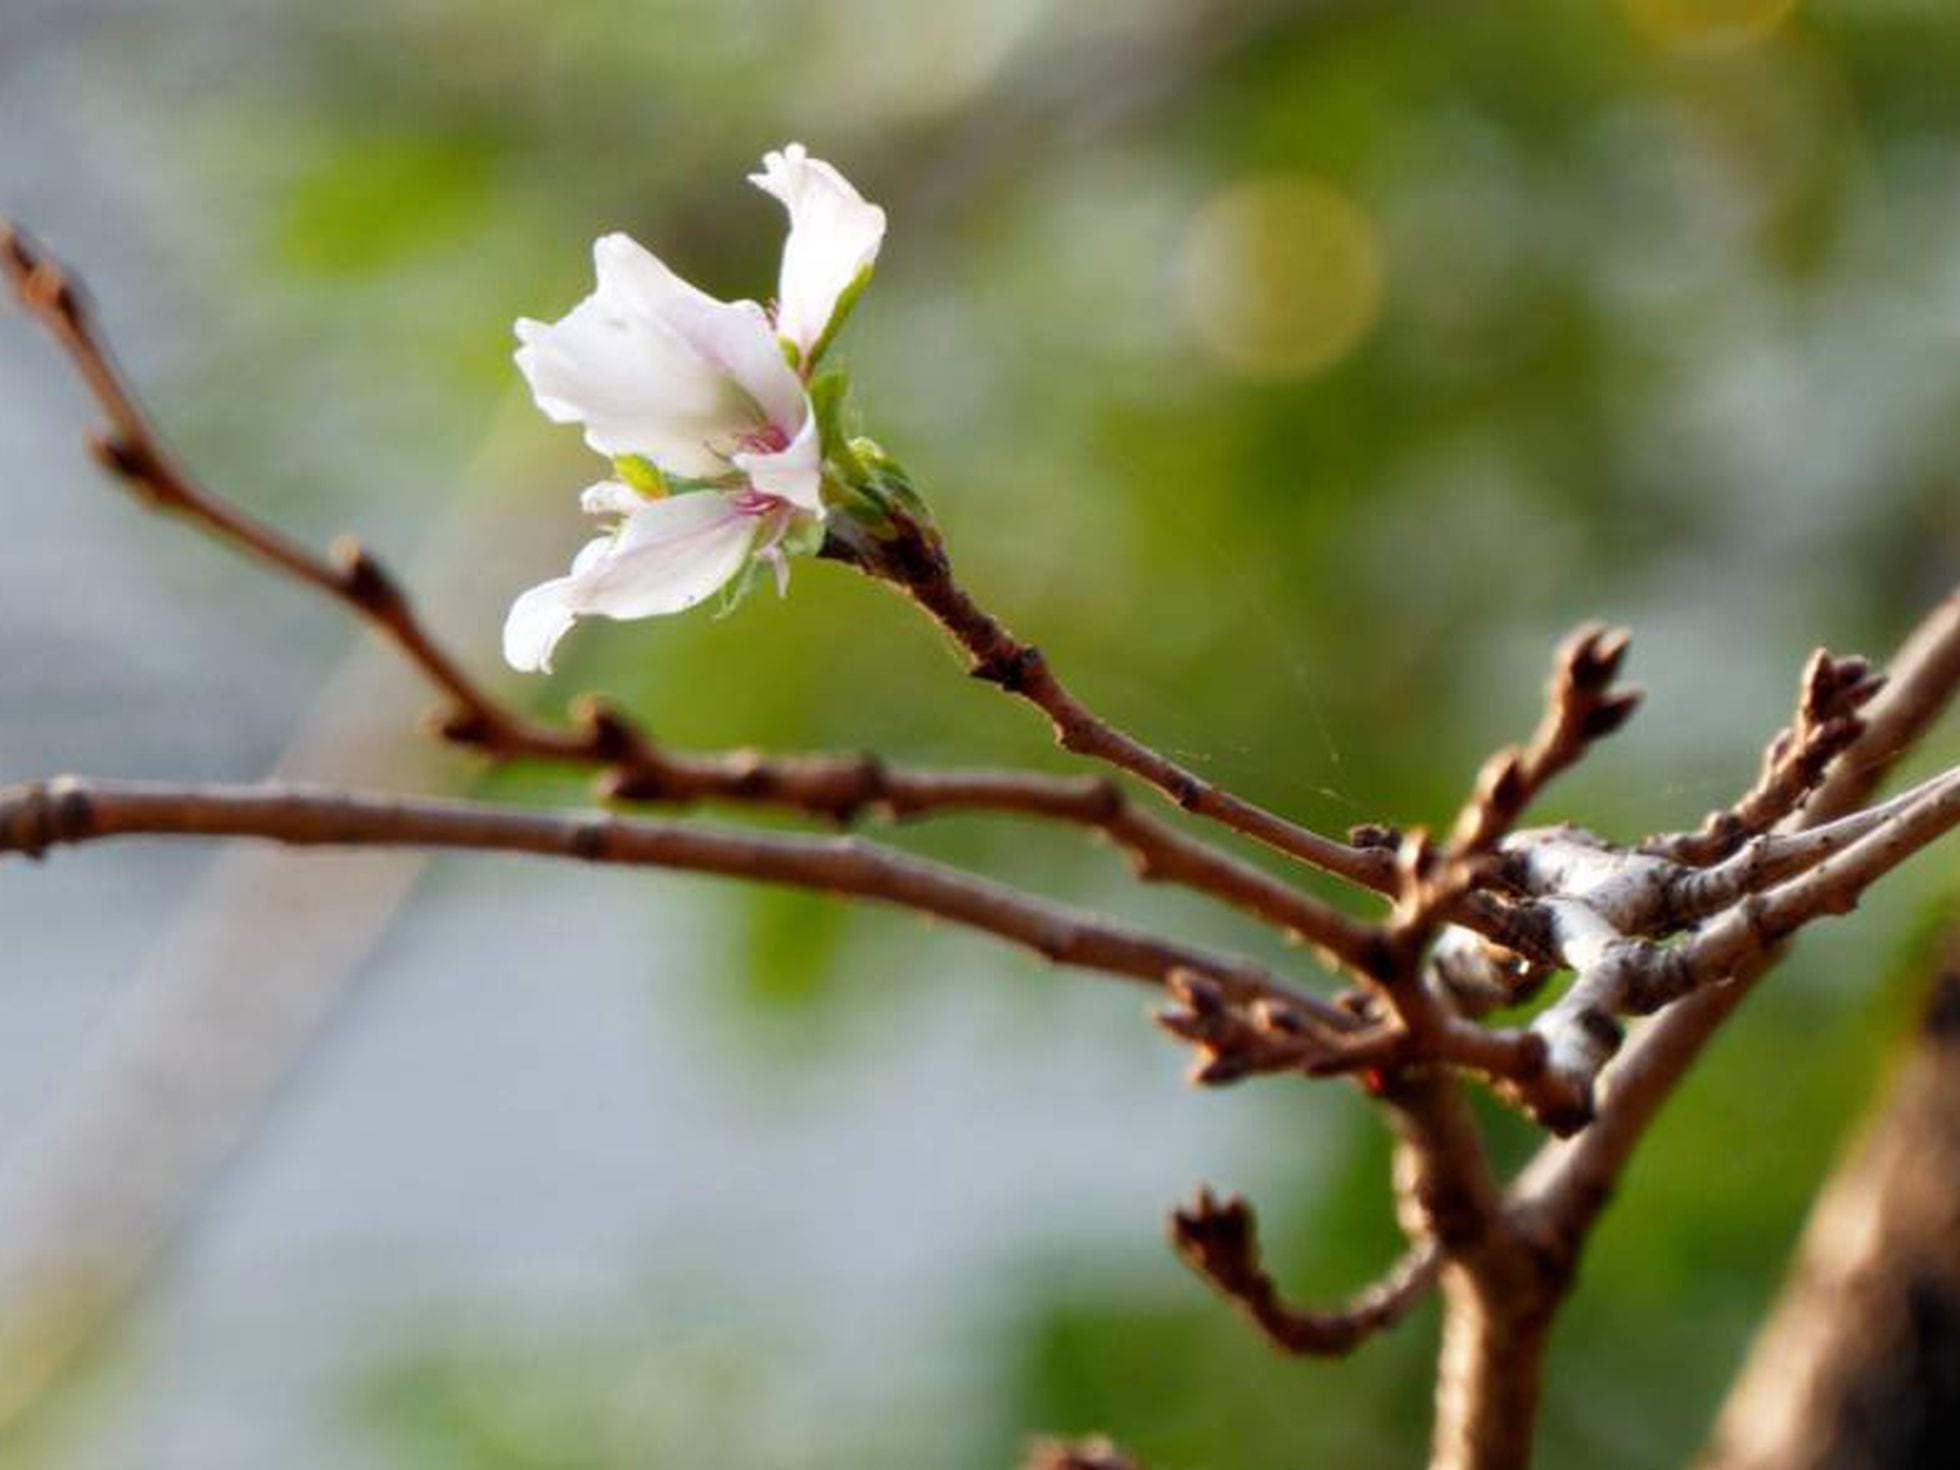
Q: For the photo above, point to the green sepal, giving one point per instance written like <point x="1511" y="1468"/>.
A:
<point x="878" y="494"/>
<point x="643" y="475"/>
<point x="889" y="482"/>
<point x="830" y="401"/>
<point x="803" y="538"/>
<point x="860" y="480"/>
<point x="846" y="299"/>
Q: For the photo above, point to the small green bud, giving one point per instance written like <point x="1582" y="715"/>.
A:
<point x="876" y="493"/>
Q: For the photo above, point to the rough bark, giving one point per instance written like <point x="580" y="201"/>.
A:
<point x="1858" y="1366"/>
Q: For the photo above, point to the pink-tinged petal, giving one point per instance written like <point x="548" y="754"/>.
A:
<point x="652" y="366"/>
<point x="734" y="337"/>
<point x="834" y="236"/>
<point x="792" y="473"/>
<point x="671" y="555"/>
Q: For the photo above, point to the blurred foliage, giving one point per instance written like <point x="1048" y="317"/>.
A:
<point x="1295" y="373"/>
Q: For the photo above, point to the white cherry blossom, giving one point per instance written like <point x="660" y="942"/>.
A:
<point x="706" y="393"/>
<point x="833" y="242"/>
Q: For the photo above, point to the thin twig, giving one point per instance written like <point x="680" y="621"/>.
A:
<point x="837" y="788"/>
<point x="1232" y="1040"/>
<point x="1618" y="975"/>
<point x="914" y="560"/>
<point x="1796" y="763"/>
<point x="1418" y="1023"/>
<point x="842" y="787"/>
<point x="1921" y="681"/>
<point x="1581" y="706"/>
<point x="1219" y="1239"/>
<point x="1560" y="1195"/>
<point x="43" y="814"/>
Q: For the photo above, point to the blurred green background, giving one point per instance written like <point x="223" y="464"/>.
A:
<point x="1295" y="373"/>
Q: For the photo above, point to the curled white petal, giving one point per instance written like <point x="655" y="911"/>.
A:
<point x="610" y="498"/>
<point x="650" y="365"/>
<point x="834" y="237"/>
<point x="543" y="615"/>
<point x="669" y="555"/>
<point x="792" y="473"/>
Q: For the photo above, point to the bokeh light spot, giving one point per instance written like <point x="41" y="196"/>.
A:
<point x="1282" y="276"/>
<point x="1698" y="25"/>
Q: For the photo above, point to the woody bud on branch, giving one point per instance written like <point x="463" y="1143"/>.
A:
<point x="1574" y="975"/>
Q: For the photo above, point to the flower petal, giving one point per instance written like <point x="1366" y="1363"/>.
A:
<point x="543" y="615"/>
<point x="652" y="366"/>
<point x="669" y="555"/>
<point x="610" y="498"/>
<point x="792" y="473"/>
<point x="636" y="390"/>
<point x="833" y="239"/>
<point x="733" y="336"/>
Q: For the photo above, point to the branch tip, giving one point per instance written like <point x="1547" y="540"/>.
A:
<point x="1219" y="1240"/>
<point x="364" y="580"/>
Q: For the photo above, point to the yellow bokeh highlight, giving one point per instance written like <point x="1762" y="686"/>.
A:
<point x="1282" y="276"/>
<point x="1697" y="25"/>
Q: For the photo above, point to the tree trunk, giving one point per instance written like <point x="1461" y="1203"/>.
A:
<point x="1490" y="1373"/>
<point x="1858" y="1366"/>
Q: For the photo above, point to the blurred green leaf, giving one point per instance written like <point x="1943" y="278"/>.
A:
<point x="376" y="202"/>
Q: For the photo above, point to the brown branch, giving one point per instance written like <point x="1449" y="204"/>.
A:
<point x="1445" y="1189"/>
<point x="43" y="814"/>
<point x="1833" y="692"/>
<point x="1422" y="1025"/>
<point x="1491" y="1366"/>
<point x="1219" y="1239"/>
<point x="838" y="788"/>
<point x="1834" y="886"/>
<point x="1561" y="1194"/>
<point x="1620" y="976"/>
<point x="1581" y="706"/>
<point x="1434" y="883"/>
<point x="1512" y="1061"/>
<point x="1699" y="893"/>
<point x="842" y="787"/>
<point x="1921" y="681"/>
<point x="130" y="448"/>
<point x="1496" y="1297"/>
<point x="1501" y="1296"/>
<point x="1233" y="1040"/>
<point x="913" y="559"/>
